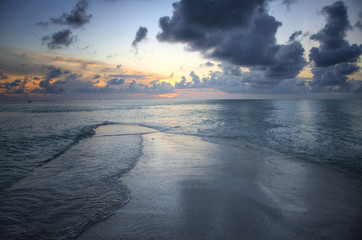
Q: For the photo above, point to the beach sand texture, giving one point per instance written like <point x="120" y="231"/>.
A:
<point x="184" y="187"/>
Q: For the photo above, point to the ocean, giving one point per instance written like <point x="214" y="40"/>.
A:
<point x="55" y="183"/>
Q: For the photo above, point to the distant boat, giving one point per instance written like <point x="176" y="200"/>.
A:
<point x="30" y="101"/>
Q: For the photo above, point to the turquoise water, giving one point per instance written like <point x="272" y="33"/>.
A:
<point x="40" y="139"/>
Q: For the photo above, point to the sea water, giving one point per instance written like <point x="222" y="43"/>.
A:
<point x="41" y="140"/>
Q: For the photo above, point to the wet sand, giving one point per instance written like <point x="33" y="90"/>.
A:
<point x="187" y="188"/>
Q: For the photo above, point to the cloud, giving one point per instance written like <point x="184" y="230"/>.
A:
<point x="2" y="76"/>
<point x="53" y="72"/>
<point x="43" y="24"/>
<point x="15" y="87"/>
<point x="295" y="35"/>
<point x="111" y="55"/>
<point x="333" y="75"/>
<point x="196" y="82"/>
<point x="49" y="86"/>
<point x="119" y="66"/>
<point x="240" y="33"/>
<point x="156" y="87"/>
<point x="233" y="80"/>
<point x="77" y="18"/>
<point x="225" y="30"/>
<point x="334" y="49"/>
<point x="289" y="61"/>
<point x="140" y="36"/>
<point x="59" y="39"/>
<point x="335" y="58"/>
<point x="72" y="77"/>
<point x="97" y="76"/>
<point x="324" y="57"/>
<point x="136" y="76"/>
<point x="334" y="79"/>
<point x="181" y="84"/>
<point x="229" y="69"/>
<point x="207" y="64"/>
<point x="288" y="3"/>
<point x="346" y="68"/>
<point x="327" y="77"/>
<point x="358" y="24"/>
<point x="115" y="81"/>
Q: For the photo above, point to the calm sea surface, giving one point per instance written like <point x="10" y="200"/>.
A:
<point x="38" y="140"/>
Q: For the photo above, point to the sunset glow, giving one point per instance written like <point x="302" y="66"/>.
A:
<point x="118" y="52"/>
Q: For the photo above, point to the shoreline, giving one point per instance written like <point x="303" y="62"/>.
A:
<point x="186" y="188"/>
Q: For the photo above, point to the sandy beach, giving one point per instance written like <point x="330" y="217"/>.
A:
<point x="186" y="188"/>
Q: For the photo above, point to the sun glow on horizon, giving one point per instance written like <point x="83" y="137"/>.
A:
<point x="166" y="95"/>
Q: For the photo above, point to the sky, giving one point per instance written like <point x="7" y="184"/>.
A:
<point x="186" y="49"/>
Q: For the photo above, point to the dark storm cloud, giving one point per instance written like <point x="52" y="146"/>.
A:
<point x="334" y="49"/>
<point x="196" y="82"/>
<point x="15" y="83"/>
<point x="115" y="81"/>
<point x="333" y="34"/>
<point x="229" y="69"/>
<point x="358" y="24"/>
<point x="324" y="57"/>
<point x="327" y="77"/>
<point x="45" y="86"/>
<point x="49" y="89"/>
<point x="237" y="32"/>
<point x="333" y="76"/>
<point x="233" y="80"/>
<point x="335" y="58"/>
<point x="334" y="79"/>
<point x="191" y="20"/>
<point x="240" y="32"/>
<point x="15" y="87"/>
<point x="252" y="46"/>
<point x="53" y="72"/>
<point x="77" y="18"/>
<point x="72" y="77"/>
<point x="289" y="61"/>
<point x="59" y="39"/>
<point x="49" y="86"/>
<point x="295" y="35"/>
<point x="156" y="87"/>
<point x="347" y="68"/>
<point x="140" y="35"/>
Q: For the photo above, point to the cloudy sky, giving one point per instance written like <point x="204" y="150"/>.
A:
<point x="144" y="49"/>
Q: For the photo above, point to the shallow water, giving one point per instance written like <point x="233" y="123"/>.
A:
<point x="42" y="140"/>
<point x="187" y="188"/>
